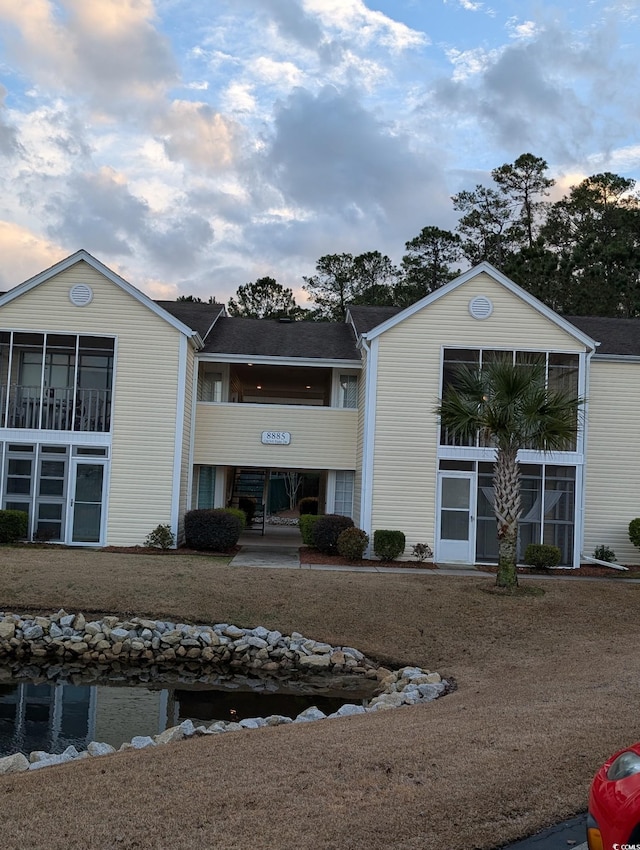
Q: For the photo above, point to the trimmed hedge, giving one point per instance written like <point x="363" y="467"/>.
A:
<point x="212" y="530"/>
<point x="352" y="544"/>
<point x="240" y="514"/>
<point x="14" y="526"/>
<point x="308" y="505"/>
<point x="306" y="523"/>
<point x="326" y="531"/>
<point x="541" y="556"/>
<point x="388" y="544"/>
<point x="634" y="532"/>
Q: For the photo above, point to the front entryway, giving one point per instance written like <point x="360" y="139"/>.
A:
<point x="456" y="518"/>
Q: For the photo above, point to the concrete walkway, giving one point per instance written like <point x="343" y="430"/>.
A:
<point x="278" y="549"/>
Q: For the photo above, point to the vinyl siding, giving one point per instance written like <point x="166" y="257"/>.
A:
<point x="406" y="438"/>
<point x="230" y="435"/>
<point x="612" y="469"/>
<point x="145" y="390"/>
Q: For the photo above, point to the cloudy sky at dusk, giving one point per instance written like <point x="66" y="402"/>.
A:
<point x="195" y="145"/>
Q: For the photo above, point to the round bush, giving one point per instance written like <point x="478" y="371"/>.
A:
<point x="212" y="530"/>
<point x="388" y="543"/>
<point x="326" y="531"/>
<point x="240" y="514"/>
<point x="13" y="526"/>
<point x="352" y="543"/>
<point x="542" y="556"/>
<point x="634" y="532"/>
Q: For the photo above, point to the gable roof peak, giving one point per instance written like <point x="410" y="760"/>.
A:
<point x="82" y="255"/>
<point x="501" y="279"/>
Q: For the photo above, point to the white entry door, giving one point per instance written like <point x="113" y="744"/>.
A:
<point x="456" y="518"/>
<point x="87" y="501"/>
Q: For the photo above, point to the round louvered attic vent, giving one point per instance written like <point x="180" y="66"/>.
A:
<point x="81" y="295"/>
<point x="480" y="307"/>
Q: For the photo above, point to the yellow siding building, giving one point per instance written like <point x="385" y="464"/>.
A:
<point x="118" y="414"/>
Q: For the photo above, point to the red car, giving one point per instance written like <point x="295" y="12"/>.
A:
<point x="614" y="803"/>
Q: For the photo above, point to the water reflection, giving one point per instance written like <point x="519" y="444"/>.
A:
<point x="52" y="715"/>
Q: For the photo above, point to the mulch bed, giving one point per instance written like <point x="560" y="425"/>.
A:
<point x="154" y="550"/>
<point x="312" y="556"/>
<point x="585" y="570"/>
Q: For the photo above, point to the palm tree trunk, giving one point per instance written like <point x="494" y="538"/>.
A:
<point x="506" y="483"/>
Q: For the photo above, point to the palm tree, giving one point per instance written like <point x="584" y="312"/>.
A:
<point x="512" y="407"/>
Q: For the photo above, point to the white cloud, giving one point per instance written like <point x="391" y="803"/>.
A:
<point x="523" y="29"/>
<point x="467" y="5"/>
<point x="270" y="72"/>
<point x="238" y="98"/>
<point x="197" y="134"/>
<point x="353" y="16"/>
<point x="469" y="63"/>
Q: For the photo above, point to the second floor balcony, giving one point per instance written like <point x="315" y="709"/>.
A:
<point x="55" y="382"/>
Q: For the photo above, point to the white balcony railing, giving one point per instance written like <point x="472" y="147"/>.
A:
<point x="56" y="409"/>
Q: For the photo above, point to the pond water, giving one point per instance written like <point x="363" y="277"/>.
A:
<point x="49" y="709"/>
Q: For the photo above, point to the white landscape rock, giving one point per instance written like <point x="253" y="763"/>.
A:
<point x="13" y="764"/>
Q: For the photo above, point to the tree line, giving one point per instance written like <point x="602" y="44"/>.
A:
<point x="580" y="255"/>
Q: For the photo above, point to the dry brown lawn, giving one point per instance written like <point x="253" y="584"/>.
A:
<point x="547" y="687"/>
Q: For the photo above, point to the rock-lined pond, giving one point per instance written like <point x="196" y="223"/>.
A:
<point x="50" y="708"/>
<point x="68" y="683"/>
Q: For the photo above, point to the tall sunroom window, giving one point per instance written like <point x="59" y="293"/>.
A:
<point x="561" y="370"/>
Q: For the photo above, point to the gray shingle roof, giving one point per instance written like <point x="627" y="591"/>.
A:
<point x="271" y="338"/>
<point x="616" y="336"/>
<point x="335" y="341"/>
<point x="367" y="318"/>
<point x="199" y="317"/>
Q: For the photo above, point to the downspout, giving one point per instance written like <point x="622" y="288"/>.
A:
<point x="585" y="434"/>
<point x="368" y="438"/>
<point x="612" y="564"/>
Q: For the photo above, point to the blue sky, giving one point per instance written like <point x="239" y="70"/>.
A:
<point x="196" y="145"/>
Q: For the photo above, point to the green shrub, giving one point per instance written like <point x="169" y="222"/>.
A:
<point x="214" y="530"/>
<point x="541" y="556"/>
<point x="240" y="514"/>
<point x="14" y="526"/>
<point x="160" y="538"/>
<point x="352" y="543"/>
<point x="308" y="505"/>
<point x="326" y="531"/>
<point x="388" y="544"/>
<point x="603" y="553"/>
<point x="248" y="505"/>
<point x="307" y="521"/>
<point x="634" y="532"/>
